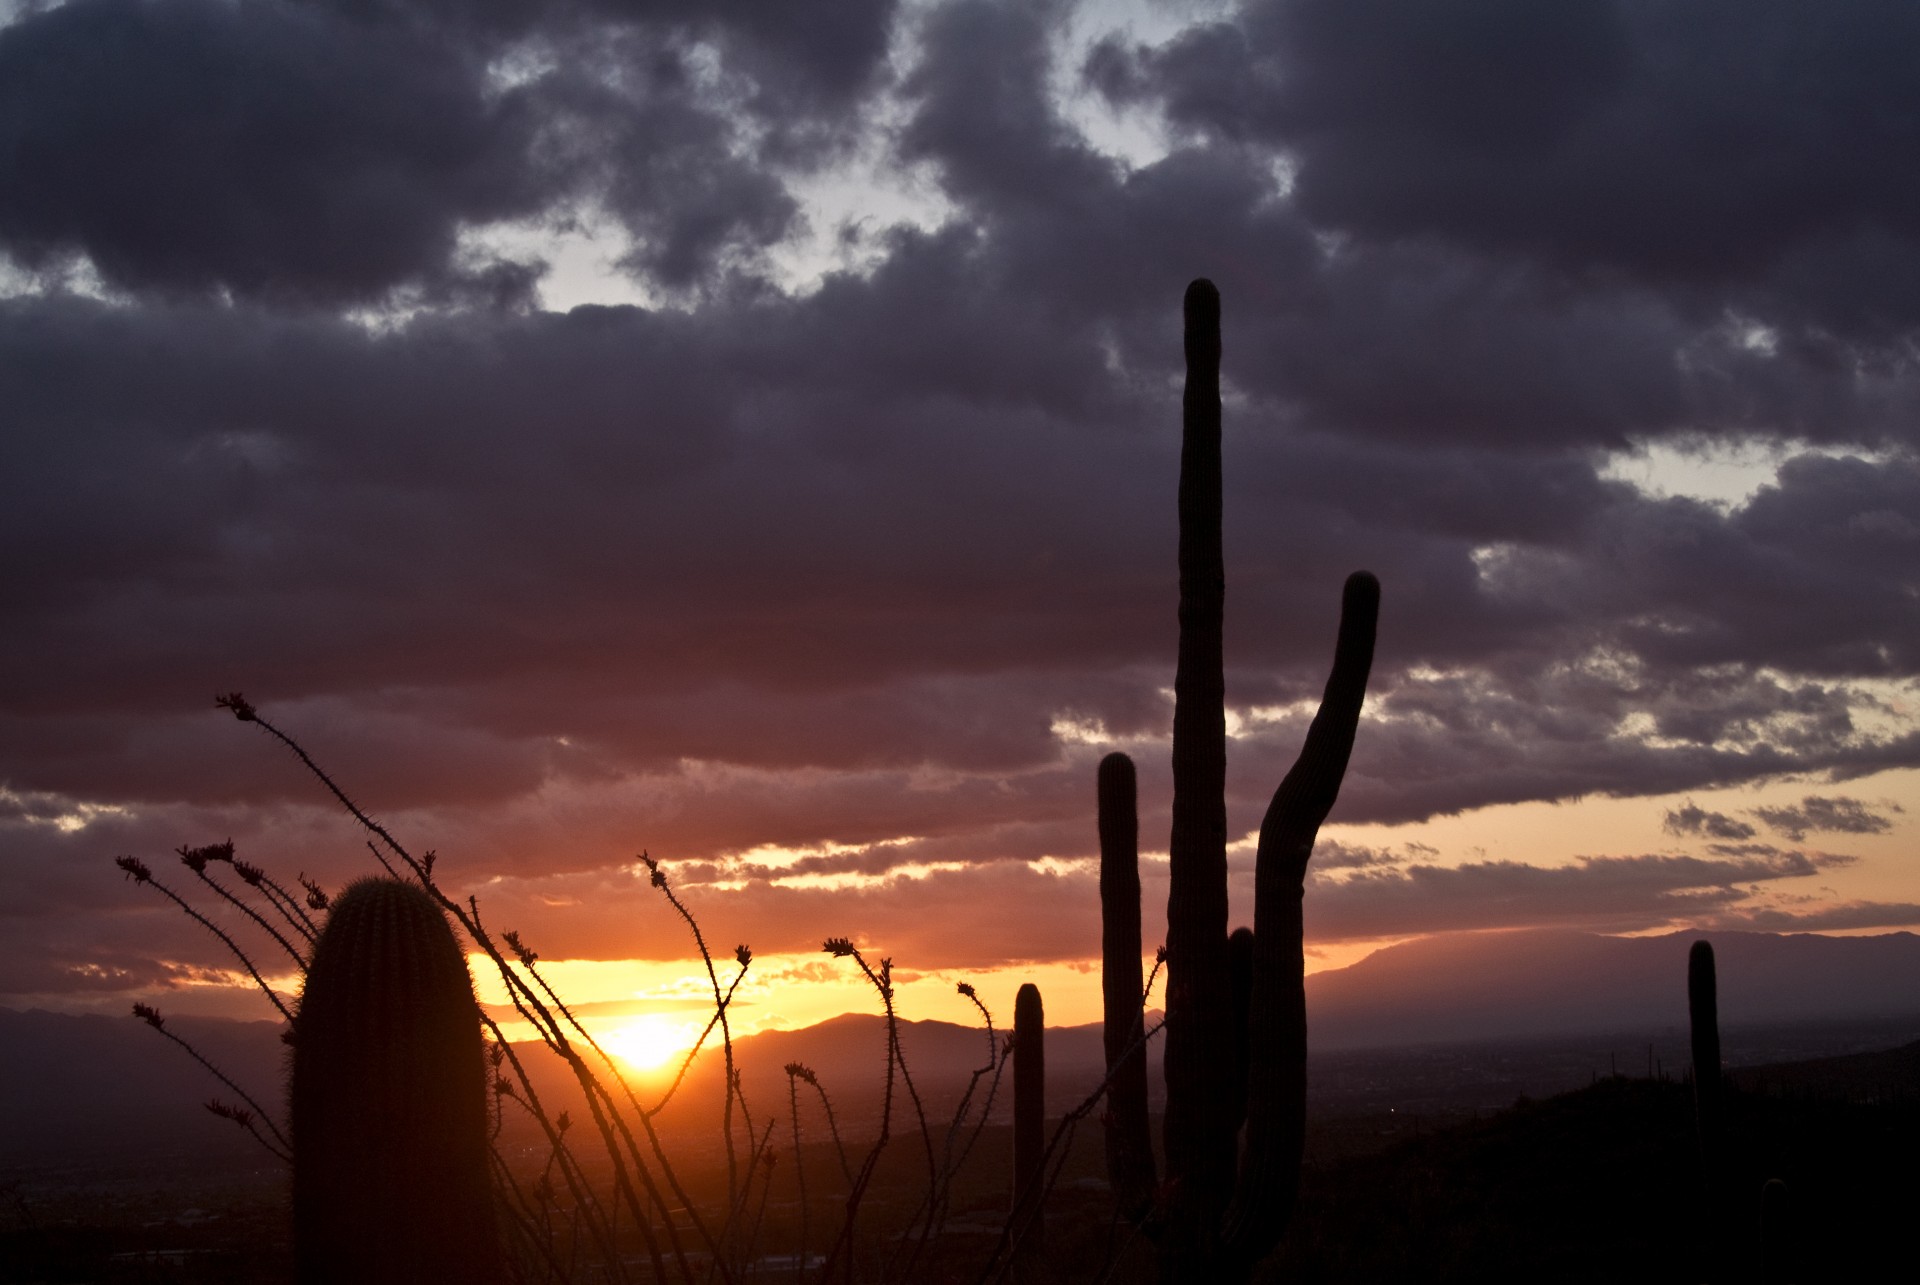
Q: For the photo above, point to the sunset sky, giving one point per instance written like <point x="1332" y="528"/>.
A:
<point x="747" y="432"/>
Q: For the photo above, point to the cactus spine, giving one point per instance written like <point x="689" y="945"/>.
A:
<point x="1221" y="1222"/>
<point x="391" y="1177"/>
<point x="1029" y="1118"/>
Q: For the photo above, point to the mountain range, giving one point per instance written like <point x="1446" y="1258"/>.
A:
<point x="88" y="1089"/>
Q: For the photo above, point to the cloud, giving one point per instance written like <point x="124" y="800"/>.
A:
<point x="1837" y="814"/>
<point x="862" y="565"/>
<point x="264" y="148"/>
<point x="1583" y="136"/>
<point x="337" y="154"/>
<point x="1331" y="854"/>
<point x="1607" y="894"/>
<point x="1691" y="819"/>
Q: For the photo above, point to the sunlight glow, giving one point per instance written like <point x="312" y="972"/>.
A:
<point x="645" y="1043"/>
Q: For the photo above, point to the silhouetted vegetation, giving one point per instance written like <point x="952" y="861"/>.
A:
<point x="1236" y="1048"/>
<point x="1029" y="1120"/>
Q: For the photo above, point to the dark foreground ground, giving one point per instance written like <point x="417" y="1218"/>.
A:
<point x="1413" y="1173"/>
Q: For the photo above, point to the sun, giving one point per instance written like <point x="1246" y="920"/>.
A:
<point x="644" y="1043"/>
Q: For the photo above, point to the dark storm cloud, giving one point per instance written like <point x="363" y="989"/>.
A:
<point x="1837" y="815"/>
<point x="684" y="513"/>
<point x="984" y="112"/>
<point x="265" y="148"/>
<point x="308" y="153"/>
<point x="1727" y="144"/>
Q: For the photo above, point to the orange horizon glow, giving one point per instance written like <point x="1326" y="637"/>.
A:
<point x="649" y="1013"/>
<point x="786" y="991"/>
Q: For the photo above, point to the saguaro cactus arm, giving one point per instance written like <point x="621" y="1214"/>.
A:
<point x="1277" y="1022"/>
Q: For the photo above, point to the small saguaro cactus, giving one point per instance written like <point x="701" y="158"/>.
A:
<point x="1709" y="1103"/>
<point x="1224" y="1212"/>
<point x="391" y="1177"/>
<point x="1029" y="1118"/>
<point x="1703" y="1014"/>
<point x="1129" y="1138"/>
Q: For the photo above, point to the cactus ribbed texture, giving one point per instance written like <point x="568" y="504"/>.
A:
<point x="1130" y="1166"/>
<point x="391" y="1177"/>
<point x="1222" y="1058"/>
<point x="1029" y="1117"/>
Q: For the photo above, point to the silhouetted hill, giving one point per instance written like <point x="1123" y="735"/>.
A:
<point x="1887" y="1075"/>
<point x="84" y="1089"/>
<point x="1482" y="986"/>
<point x="1604" y="1185"/>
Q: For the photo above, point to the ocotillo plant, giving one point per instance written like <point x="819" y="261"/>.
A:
<point x="1223" y="1217"/>
<point x="389" y="1100"/>
<point x="1029" y="1118"/>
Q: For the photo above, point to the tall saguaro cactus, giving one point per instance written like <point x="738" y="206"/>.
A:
<point x="391" y="1178"/>
<point x="1199" y="1124"/>
<point x="1225" y="1211"/>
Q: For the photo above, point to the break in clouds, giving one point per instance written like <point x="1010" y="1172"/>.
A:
<point x="853" y="537"/>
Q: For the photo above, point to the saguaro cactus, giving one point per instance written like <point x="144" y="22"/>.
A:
<point x="1029" y="1118"/>
<point x="391" y="1179"/>
<point x="1222" y="1218"/>
<point x="1703" y="1014"/>
<point x="1709" y="1103"/>
<point x="1130" y="1166"/>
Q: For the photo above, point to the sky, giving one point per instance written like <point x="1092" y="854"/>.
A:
<point x="747" y="433"/>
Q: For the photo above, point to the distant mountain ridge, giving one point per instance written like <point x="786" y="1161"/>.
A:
<point x="1521" y="985"/>
<point x="86" y="1089"/>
